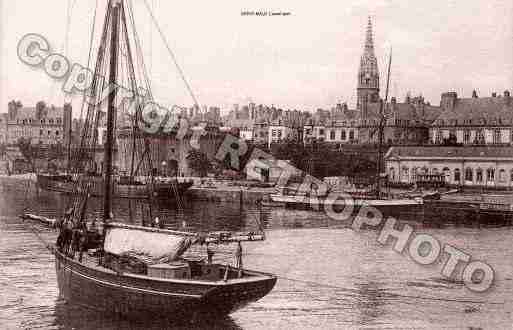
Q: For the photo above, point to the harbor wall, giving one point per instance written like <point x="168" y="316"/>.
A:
<point x="231" y="195"/>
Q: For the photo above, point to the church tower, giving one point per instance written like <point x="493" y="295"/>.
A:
<point x="368" y="75"/>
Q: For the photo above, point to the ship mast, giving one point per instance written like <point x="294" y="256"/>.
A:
<point x="379" y="164"/>
<point x="111" y="111"/>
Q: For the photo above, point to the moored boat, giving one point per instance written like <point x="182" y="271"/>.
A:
<point x="139" y="271"/>
<point x="181" y="288"/>
<point x="165" y="188"/>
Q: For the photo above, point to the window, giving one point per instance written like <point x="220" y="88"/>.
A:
<point x="466" y="137"/>
<point x="279" y="134"/>
<point x="392" y="174"/>
<point x="49" y="132"/>
<point x="40" y="132"/>
<point x="351" y="135"/>
<point x="457" y="175"/>
<point x="438" y="136"/>
<point x="273" y="132"/>
<point x="332" y="135"/>
<point x="490" y="174"/>
<point x="447" y="174"/>
<point x="321" y="131"/>
<point x="497" y="136"/>
<point x="502" y="175"/>
<point x="343" y="135"/>
<point x="468" y="174"/>
<point x="511" y="176"/>
<point x="404" y="174"/>
<point x="479" y="175"/>
<point x="57" y="133"/>
<point x="479" y="137"/>
<point x="434" y="171"/>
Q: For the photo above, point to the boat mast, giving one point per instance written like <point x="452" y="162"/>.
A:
<point x="381" y="129"/>
<point x="111" y="111"/>
<point x="69" y="143"/>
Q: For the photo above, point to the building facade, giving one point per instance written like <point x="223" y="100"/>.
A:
<point x="368" y="75"/>
<point x="474" y="121"/>
<point x="41" y="124"/>
<point x="476" y="166"/>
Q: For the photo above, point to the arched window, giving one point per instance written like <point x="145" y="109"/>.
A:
<point x="502" y="175"/>
<point x="434" y="171"/>
<point x="479" y="175"/>
<point x="392" y="174"/>
<point x="497" y="136"/>
<point x="468" y="174"/>
<point x="404" y="173"/>
<point x="424" y="170"/>
<point x="490" y="174"/>
<point x="457" y="175"/>
<point x="447" y="174"/>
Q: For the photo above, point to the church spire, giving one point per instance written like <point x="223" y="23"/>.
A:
<point x="369" y="43"/>
<point x="368" y="75"/>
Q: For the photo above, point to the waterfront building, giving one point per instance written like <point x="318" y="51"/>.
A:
<point x="261" y="131"/>
<point x="474" y="121"/>
<point x="403" y="123"/>
<point x="41" y="124"/>
<point x="478" y="166"/>
<point x="281" y="130"/>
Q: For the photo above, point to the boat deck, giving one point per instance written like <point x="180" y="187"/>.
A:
<point x="215" y="274"/>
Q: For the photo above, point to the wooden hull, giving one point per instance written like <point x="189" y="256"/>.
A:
<point x="301" y="200"/>
<point x="141" y="296"/>
<point x="161" y="190"/>
<point x="400" y="208"/>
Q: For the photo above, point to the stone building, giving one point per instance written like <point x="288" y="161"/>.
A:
<point x="404" y="123"/>
<point x="368" y="75"/>
<point x="480" y="166"/>
<point x="3" y="128"/>
<point x="167" y="153"/>
<point x="474" y="121"/>
<point x="41" y="124"/>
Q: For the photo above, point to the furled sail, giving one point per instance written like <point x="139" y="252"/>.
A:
<point x="155" y="245"/>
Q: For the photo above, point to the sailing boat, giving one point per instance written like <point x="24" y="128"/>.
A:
<point x="128" y="183"/>
<point x="141" y="271"/>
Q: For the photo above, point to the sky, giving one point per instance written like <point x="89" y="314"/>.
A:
<point x="306" y="60"/>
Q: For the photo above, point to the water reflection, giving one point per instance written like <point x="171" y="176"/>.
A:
<point x="360" y="283"/>
<point x="69" y="316"/>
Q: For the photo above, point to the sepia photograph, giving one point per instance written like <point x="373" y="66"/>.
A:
<point x="256" y="164"/>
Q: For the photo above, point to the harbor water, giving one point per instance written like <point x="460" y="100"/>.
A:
<point x="329" y="276"/>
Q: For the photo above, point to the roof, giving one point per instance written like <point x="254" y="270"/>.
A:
<point x="422" y="113"/>
<point x="477" y="109"/>
<point x="450" y="152"/>
<point x="240" y="123"/>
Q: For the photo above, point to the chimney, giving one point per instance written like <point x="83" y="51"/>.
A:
<point x="494" y="94"/>
<point x="474" y="94"/>
<point x="448" y="100"/>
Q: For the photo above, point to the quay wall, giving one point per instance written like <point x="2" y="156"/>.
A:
<point x="231" y="195"/>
